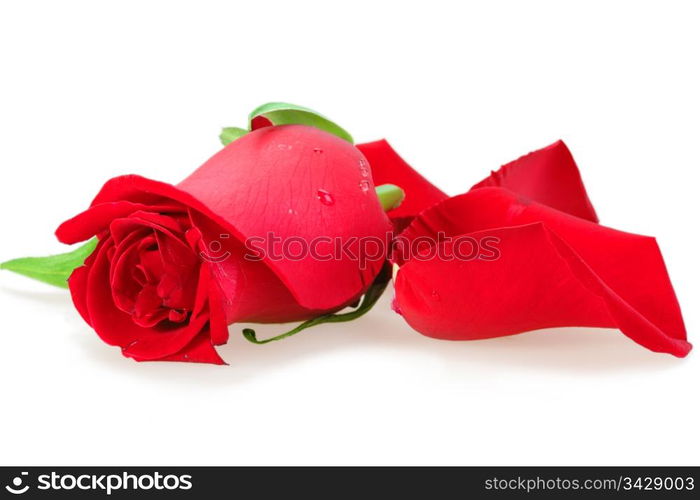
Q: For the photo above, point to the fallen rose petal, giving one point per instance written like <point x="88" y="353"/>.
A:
<point x="548" y="176"/>
<point x="389" y="168"/>
<point x="552" y="269"/>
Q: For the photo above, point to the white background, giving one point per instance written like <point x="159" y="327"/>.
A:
<point x="90" y="90"/>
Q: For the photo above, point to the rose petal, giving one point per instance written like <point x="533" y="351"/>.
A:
<point x="553" y="270"/>
<point x="125" y="259"/>
<point x="548" y="176"/>
<point x="180" y="269"/>
<point x="300" y="182"/>
<point x="217" y="317"/>
<point x="147" y="308"/>
<point x="151" y="346"/>
<point x="247" y="290"/>
<point x="200" y="350"/>
<point x="389" y="168"/>
<point x="116" y="327"/>
<point x="98" y="217"/>
<point x="77" y="284"/>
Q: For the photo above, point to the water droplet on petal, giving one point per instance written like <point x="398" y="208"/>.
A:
<point x="364" y="186"/>
<point x="325" y="197"/>
<point x="435" y="295"/>
<point x="364" y="170"/>
<point x="284" y="147"/>
<point x="318" y="150"/>
<point x="291" y="211"/>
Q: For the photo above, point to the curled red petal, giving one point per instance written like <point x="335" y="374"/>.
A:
<point x="207" y="319"/>
<point x="124" y="260"/>
<point x="247" y="289"/>
<point x="99" y="215"/>
<point x="553" y="269"/>
<point x="200" y="350"/>
<point x="77" y="284"/>
<point x="298" y="182"/>
<point x="548" y="176"/>
<point x="217" y="317"/>
<point x="389" y="168"/>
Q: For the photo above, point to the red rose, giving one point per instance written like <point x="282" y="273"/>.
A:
<point x="540" y="260"/>
<point x="169" y="272"/>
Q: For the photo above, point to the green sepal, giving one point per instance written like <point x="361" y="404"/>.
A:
<point x="54" y="269"/>
<point x="282" y="113"/>
<point x="368" y="300"/>
<point x="390" y="196"/>
<point x="230" y="134"/>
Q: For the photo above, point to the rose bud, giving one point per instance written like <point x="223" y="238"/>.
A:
<point x="250" y="236"/>
<point x="522" y="251"/>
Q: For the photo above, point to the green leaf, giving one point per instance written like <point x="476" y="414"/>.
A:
<point x="230" y="134"/>
<point x="55" y="269"/>
<point x="282" y="113"/>
<point x="368" y="300"/>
